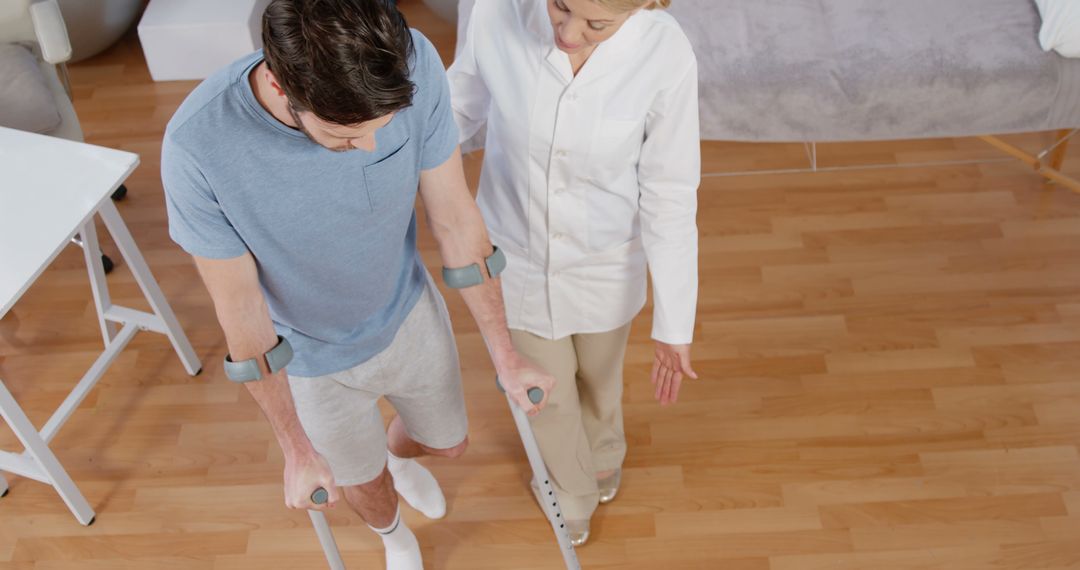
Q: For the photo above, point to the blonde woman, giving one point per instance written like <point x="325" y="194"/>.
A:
<point x="589" y="184"/>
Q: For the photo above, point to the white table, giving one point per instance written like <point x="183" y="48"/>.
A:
<point x="50" y="191"/>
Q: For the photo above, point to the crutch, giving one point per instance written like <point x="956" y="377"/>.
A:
<point x="549" y="502"/>
<point x="322" y="529"/>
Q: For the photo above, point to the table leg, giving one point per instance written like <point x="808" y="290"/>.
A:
<point x="98" y="287"/>
<point x="126" y="244"/>
<point x="39" y="451"/>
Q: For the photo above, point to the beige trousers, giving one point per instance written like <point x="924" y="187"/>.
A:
<point x="580" y="432"/>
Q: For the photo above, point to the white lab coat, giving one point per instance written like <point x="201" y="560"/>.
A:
<point x="588" y="179"/>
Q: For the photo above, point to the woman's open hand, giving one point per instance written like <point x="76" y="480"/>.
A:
<point x="671" y="364"/>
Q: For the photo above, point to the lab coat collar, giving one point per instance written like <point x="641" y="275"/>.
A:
<point x="607" y="57"/>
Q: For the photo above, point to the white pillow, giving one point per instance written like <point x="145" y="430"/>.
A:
<point x="1061" y="26"/>
<point x="26" y="102"/>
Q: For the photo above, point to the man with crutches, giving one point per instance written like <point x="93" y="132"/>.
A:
<point x="291" y="177"/>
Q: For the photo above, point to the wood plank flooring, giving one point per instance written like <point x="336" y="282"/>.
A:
<point x="890" y="366"/>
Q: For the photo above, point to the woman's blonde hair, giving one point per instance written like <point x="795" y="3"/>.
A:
<point x="627" y="5"/>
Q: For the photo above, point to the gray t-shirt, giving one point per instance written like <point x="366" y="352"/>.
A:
<point x="333" y="234"/>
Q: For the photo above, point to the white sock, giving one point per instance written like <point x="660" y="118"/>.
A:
<point x="402" y="549"/>
<point x="417" y="486"/>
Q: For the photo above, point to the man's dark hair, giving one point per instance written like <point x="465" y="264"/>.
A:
<point x="346" y="61"/>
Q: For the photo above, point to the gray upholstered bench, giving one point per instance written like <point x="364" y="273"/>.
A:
<point x="841" y="70"/>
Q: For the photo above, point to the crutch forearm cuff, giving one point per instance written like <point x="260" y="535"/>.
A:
<point x="248" y="370"/>
<point x="471" y="276"/>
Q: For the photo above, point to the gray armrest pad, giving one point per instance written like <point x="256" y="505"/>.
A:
<point x="51" y="31"/>
<point x="26" y="102"/>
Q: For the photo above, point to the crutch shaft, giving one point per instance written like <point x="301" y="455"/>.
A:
<point x="549" y="503"/>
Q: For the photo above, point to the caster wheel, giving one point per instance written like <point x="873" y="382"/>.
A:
<point x="91" y="521"/>
<point x="107" y="263"/>
<point x="198" y="372"/>
<point x="120" y="193"/>
<point x="5" y="493"/>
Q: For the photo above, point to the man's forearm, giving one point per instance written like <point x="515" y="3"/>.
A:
<point x="250" y="333"/>
<point x="274" y="397"/>
<point x="459" y="229"/>
<point x="485" y="302"/>
<point x="517" y="375"/>
<point x="463" y="244"/>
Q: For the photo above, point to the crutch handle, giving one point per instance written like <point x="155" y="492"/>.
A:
<point x="320" y="496"/>
<point x="536" y="394"/>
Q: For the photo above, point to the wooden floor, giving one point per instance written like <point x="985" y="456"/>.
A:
<point x="890" y="366"/>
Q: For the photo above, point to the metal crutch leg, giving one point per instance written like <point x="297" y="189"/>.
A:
<point x="547" y="492"/>
<point x="322" y="530"/>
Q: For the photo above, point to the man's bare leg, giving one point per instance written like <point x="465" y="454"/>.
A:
<point x="377" y="503"/>
<point x="415" y="483"/>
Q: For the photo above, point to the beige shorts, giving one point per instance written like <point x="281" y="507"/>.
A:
<point x="418" y="374"/>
